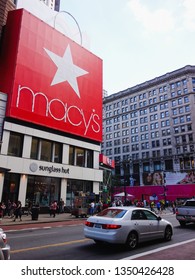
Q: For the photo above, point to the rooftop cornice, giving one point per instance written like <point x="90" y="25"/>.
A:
<point x="188" y="69"/>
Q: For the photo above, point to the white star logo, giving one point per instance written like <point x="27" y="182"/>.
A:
<point x="67" y="70"/>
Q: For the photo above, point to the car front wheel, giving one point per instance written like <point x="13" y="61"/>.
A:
<point x="132" y="240"/>
<point x="168" y="233"/>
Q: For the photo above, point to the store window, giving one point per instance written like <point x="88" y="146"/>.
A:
<point x="76" y="188"/>
<point x="15" y="144"/>
<point x="42" y="190"/>
<point x="11" y="187"/>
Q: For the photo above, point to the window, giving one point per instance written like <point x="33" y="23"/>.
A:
<point x="184" y="82"/>
<point x="80" y="156"/>
<point x="175" y="120"/>
<point x="173" y="94"/>
<point x="187" y="108"/>
<point x="57" y="152"/>
<point x="181" y="110"/>
<point x="46" y="150"/>
<point x="189" y="127"/>
<point x="180" y="101"/>
<point x="89" y="158"/>
<point x="138" y="215"/>
<point x="174" y="103"/>
<point x="15" y="144"/>
<point x="176" y="129"/>
<point x="179" y="92"/>
<point x="34" y="148"/>
<point x="116" y="119"/>
<point x="186" y="99"/>
<point x="177" y="140"/>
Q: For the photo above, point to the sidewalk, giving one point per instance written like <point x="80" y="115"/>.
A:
<point x="42" y="218"/>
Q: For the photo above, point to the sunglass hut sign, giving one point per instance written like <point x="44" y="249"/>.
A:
<point x="58" y="83"/>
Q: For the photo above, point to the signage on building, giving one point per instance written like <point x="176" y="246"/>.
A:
<point x="34" y="167"/>
<point x="105" y="161"/>
<point x="51" y="80"/>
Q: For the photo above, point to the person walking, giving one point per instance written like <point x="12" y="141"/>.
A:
<point x="61" y="206"/>
<point x="18" y="211"/>
<point x="92" y="208"/>
<point x="1" y="211"/>
<point x="53" y="208"/>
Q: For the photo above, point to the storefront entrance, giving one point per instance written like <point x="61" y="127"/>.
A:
<point x="42" y="191"/>
<point x="11" y="187"/>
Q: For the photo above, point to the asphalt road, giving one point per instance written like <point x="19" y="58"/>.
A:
<point x="60" y="241"/>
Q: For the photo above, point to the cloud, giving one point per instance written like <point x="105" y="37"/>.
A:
<point x="159" y="20"/>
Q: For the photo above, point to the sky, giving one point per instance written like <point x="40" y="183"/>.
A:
<point x="137" y="40"/>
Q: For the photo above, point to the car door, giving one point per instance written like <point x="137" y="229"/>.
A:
<point x="141" y="224"/>
<point x="156" y="227"/>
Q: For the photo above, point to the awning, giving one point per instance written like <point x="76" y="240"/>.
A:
<point x="4" y="170"/>
<point x="123" y="194"/>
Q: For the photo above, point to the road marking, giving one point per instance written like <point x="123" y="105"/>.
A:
<point x="157" y="250"/>
<point x="49" y="245"/>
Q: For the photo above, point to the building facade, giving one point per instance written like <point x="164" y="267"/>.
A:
<point x="52" y="4"/>
<point x="149" y="130"/>
<point x="5" y="7"/>
<point x="50" y="130"/>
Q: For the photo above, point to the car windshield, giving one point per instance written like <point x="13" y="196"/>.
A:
<point x="112" y="213"/>
<point x="190" y="203"/>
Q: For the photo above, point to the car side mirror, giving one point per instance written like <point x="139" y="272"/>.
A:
<point x="159" y="218"/>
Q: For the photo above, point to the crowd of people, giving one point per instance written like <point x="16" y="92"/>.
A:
<point x="14" y="210"/>
<point x="11" y="209"/>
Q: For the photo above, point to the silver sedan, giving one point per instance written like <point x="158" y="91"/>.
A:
<point x="127" y="225"/>
<point x="4" y="247"/>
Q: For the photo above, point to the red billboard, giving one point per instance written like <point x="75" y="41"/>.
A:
<point x="50" y="80"/>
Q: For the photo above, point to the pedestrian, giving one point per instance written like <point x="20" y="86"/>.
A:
<point x="53" y="208"/>
<point x="29" y="208"/>
<point x="8" y="207"/>
<point x="1" y="211"/>
<point x="18" y="211"/>
<point x="174" y="208"/>
<point x="13" y="207"/>
<point x="61" y="206"/>
<point x="99" y="206"/>
<point x="114" y="203"/>
<point x="158" y="206"/>
<point x="92" y="207"/>
<point x="152" y="206"/>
